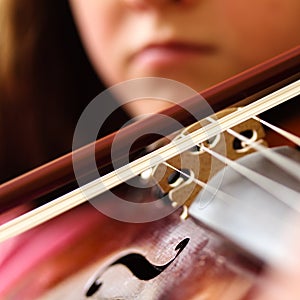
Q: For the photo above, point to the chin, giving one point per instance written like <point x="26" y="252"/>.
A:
<point x="195" y="80"/>
<point x="146" y="107"/>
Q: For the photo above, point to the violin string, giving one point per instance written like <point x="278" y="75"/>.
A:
<point x="248" y="173"/>
<point x="283" y="162"/>
<point x="288" y="135"/>
<point x="92" y="189"/>
<point x="290" y="166"/>
<point x="220" y="194"/>
<point x="255" y="108"/>
<point x="274" y="188"/>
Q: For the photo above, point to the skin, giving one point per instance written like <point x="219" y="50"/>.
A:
<point x="198" y="43"/>
<point x="227" y="37"/>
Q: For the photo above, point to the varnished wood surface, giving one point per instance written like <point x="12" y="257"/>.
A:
<point x="60" y="172"/>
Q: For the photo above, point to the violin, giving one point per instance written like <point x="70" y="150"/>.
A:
<point x="221" y="199"/>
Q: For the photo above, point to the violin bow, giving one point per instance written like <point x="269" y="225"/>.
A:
<point x="277" y="79"/>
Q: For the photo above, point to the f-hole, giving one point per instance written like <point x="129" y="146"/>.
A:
<point x="139" y="266"/>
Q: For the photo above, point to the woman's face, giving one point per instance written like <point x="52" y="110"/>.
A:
<point x="198" y="43"/>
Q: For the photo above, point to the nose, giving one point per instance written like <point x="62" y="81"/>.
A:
<point x="144" y="4"/>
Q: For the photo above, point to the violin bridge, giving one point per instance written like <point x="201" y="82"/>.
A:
<point x="184" y="175"/>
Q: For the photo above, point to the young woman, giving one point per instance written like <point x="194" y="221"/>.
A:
<point x="48" y="75"/>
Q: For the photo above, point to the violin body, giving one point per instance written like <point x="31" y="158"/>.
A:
<point x="203" y="267"/>
<point x="83" y="254"/>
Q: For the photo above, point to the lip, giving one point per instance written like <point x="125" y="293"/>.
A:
<point x="170" y="53"/>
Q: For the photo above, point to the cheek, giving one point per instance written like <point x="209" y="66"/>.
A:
<point x="99" y="24"/>
<point x="259" y="29"/>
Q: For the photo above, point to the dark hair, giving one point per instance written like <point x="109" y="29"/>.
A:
<point x="46" y="81"/>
